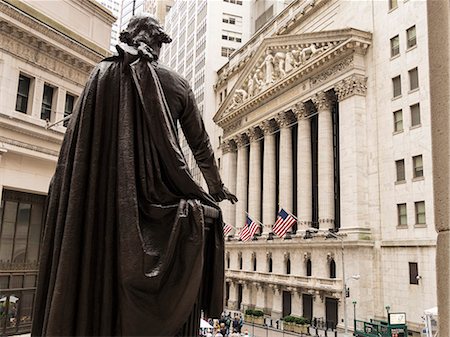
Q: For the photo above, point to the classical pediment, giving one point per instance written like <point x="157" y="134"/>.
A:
<point x="281" y="61"/>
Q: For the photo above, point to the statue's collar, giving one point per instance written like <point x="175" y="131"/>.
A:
<point x="132" y="53"/>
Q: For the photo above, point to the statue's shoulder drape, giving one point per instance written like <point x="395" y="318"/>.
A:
<point x="123" y="248"/>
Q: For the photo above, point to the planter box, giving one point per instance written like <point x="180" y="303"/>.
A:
<point x="248" y="319"/>
<point x="289" y="326"/>
<point x="258" y="320"/>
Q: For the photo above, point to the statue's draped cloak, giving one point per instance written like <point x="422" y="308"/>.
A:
<point x="123" y="247"/>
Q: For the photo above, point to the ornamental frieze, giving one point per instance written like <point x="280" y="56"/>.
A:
<point x="333" y="71"/>
<point x="273" y="66"/>
<point x="45" y="61"/>
<point x="353" y="85"/>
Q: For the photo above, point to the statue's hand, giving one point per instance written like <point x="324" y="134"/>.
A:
<point x="223" y="194"/>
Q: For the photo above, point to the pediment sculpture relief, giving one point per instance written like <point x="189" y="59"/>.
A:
<point x="273" y="66"/>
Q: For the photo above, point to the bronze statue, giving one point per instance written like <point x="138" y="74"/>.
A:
<point x="126" y="250"/>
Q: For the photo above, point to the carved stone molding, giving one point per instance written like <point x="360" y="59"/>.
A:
<point x="268" y="126"/>
<point x="353" y="85"/>
<point x="269" y="255"/>
<point x="322" y="101"/>
<point x="300" y="111"/>
<point x="326" y="221"/>
<point x="330" y="256"/>
<point x="37" y="26"/>
<point x="254" y="134"/>
<point x="286" y="256"/>
<point x="241" y="140"/>
<point x="332" y="71"/>
<point x="307" y="256"/>
<point x="27" y="146"/>
<point x="75" y="71"/>
<point x="285" y="119"/>
<point x="231" y="127"/>
<point x="228" y="146"/>
<point x="253" y="255"/>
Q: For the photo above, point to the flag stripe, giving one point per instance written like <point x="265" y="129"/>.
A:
<point x="284" y="222"/>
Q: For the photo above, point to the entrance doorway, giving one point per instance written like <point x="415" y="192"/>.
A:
<point x="331" y="312"/>
<point x="239" y="296"/>
<point x="307" y="306"/>
<point x="287" y="303"/>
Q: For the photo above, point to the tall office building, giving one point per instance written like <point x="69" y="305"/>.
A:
<point x="130" y="8"/>
<point x="115" y="6"/>
<point x="325" y="112"/>
<point x="159" y="8"/>
<point x="205" y="34"/>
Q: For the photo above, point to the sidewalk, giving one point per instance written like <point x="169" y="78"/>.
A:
<point x="259" y="331"/>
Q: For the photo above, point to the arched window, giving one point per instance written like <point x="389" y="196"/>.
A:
<point x="254" y="263"/>
<point x="240" y="262"/>
<point x="228" y="261"/>
<point x="308" y="267"/>
<point x="332" y="269"/>
<point x="288" y="266"/>
<point x="270" y="264"/>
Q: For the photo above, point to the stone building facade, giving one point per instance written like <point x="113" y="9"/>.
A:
<point x="328" y="116"/>
<point x="47" y="51"/>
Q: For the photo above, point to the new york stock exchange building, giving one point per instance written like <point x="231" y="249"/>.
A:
<point x="325" y="113"/>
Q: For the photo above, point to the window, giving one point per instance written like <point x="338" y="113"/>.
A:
<point x="332" y="269"/>
<point x="254" y="263"/>
<point x="23" y="93"/>
<point x="240" y="262"/>
<point x="288" y="266"/>
<point x="231" y="36"/>
<point x="393" y="4"/>
<point x="47" y="100"/>
<point x="228" y="262"/>
<point x="402" y="219"/>
<point x="413" y="273"/>
<point x="395" y="47"/>
<point x="308" y="267"/>
<point x="270" y="265"/>
<point x="415" y="114"/>
<point x="68" y="107"/>
<point x="396" y="86"/>
<point x="226" y="52"/>
<point x="411" y="40"/>
<point x="420" y="212"/>
<point x="413" y="79"/>
<point x="398" y="121"/>
<point x="400" y="167"/>
<point x="417" y="166"/>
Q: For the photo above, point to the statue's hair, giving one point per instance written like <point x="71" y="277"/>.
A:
<point x="141" y="22"/>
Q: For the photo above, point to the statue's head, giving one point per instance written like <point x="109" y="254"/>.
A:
<point x="144" y="28"/>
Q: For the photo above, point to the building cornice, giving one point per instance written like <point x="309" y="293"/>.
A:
<point x="39" y="22"/>
<point x="31" y="129"/>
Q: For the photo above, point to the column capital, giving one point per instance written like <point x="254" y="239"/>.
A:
<point x="300" y="111"/>
<point x="268" y="126"/>
<point x="322" y="101"/>
<point x="254" y="133"/>
<point x="228" y="145"/>
<point x="284" y="119"/>
<point x="352" y="85"/>
<point x="241" y="140"/>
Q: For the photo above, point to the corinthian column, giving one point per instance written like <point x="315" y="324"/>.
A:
<point x="229" y="174"/>
<point x="269" y="175"/>
<point x="325" y="161"/>
<point x="304" y="176"/>
<point x="284" y="120"/>
<point x="254" y="186"/>
<point x="242" y="180"/>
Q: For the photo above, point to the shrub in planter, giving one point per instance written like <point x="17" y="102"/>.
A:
<point x="249" y="312"/>
<point x="258" y="313"/>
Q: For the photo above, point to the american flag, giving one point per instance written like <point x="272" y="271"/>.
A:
<point x="284" y="222"/>
<point x="227" y="229"/>
<point x="248" y="230"/>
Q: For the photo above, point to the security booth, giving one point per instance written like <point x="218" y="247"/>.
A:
<point x="394" y="327"/>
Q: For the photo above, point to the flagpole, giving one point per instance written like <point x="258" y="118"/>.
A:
<point x="257" y="221"/>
